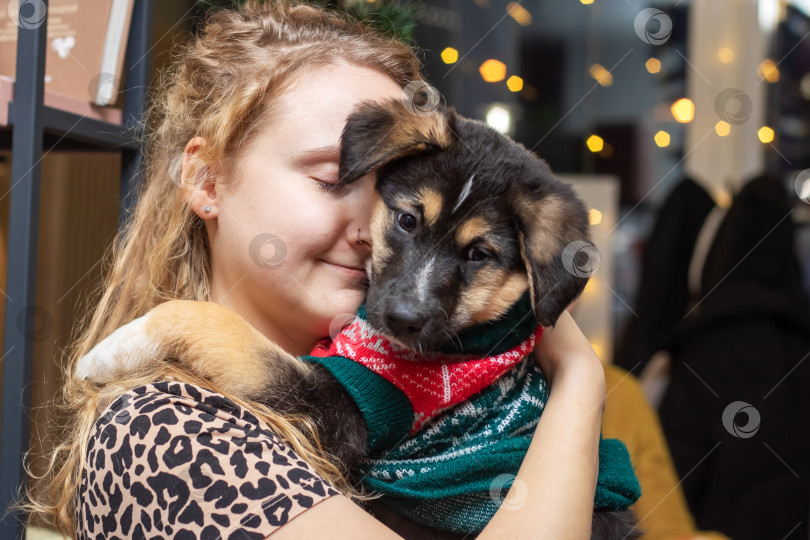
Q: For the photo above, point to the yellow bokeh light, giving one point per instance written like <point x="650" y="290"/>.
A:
<point x="587" y="2"/>
<point x="598" y="349"/>
<point x="595" y="143"/>
<point x="519" y="13"/>
<point x="595" y="216"/>
<point x="767" y="70"/>
<point x="765" y="134"/>
<point x="653" y="65"/>
<point x="514" y="83"/>
<point x="449" y="55"/>
<point x="602" y="75"/>
<point x="722" y="128"/>
<point x="662" y="139"/>
<point x="726" y="55"/>
<point x="493" y="70"/>
<point x="590" y="287"/>
<point x="683" y="110"/>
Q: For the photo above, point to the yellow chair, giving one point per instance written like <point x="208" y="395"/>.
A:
<point x="662" y="509"/>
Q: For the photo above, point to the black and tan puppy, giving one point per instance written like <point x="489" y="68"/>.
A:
<point x="465" y="222"/>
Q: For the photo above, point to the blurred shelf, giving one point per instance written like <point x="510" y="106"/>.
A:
<point x="89" y="127"/>
<point x="31" y="121"/>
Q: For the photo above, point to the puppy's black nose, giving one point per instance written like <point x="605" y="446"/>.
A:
<point x="404" y="319"/>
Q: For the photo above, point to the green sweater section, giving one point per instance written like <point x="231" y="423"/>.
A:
<point x="453" y="474"/>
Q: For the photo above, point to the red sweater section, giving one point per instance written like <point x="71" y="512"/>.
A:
<point x="432" y="381"/>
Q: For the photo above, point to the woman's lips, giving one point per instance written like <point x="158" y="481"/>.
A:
<point x="354" y="271"/>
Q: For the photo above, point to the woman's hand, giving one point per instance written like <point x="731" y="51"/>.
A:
<point x="564" y="354"/>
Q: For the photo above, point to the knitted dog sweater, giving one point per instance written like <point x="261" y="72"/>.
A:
<point x="447" y="432"/>
<point x="432" y="382"/>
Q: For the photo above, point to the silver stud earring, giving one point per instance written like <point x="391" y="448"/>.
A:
<point x="207" y="209"/>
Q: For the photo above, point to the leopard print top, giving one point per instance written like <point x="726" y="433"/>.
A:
<point x="172" y="460"/>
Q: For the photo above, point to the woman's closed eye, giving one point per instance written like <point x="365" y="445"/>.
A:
<point x="330" y="185"/>
<point x="326" y="176"/>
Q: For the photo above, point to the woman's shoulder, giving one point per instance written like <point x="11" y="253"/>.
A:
<point x="179" y="460"/>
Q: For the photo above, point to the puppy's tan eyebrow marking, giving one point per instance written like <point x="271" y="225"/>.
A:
<point x="432" y="202"/>
<point x="473" y="228"/>
<point x="465" y="192"/>
<point x="405" y="203"/>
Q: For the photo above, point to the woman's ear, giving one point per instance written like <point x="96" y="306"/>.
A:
<point x="197" y="178"/>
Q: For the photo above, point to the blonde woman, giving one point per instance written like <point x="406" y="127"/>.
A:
<point x="242" y="145"/>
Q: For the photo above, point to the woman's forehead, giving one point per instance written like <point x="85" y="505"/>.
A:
<point x="310" y="116"/>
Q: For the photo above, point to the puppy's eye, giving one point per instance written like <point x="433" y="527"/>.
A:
<point x="407" y="222"/>
<point x="478" y="254"/>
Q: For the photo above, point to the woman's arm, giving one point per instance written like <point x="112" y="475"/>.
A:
<point x="552" y="496"/>
<point x="558" y="475"/>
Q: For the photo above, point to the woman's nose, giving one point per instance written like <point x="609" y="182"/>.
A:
<point x="363" y="238"/>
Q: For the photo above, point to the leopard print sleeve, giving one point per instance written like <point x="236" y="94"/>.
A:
<point x="172" y="460"/>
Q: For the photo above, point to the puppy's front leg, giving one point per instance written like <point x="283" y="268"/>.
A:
<point x="220" y="346"/>
<point x="210" y="339"/>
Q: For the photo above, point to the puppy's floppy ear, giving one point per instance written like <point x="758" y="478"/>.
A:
<point x="553" y="231"/>
<point x="380" y="132"/>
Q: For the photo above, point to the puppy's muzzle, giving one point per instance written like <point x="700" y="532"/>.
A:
<point x="405" y="320"/>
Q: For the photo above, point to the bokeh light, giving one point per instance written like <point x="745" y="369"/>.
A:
<point x="449" y="55"/>
<point x="595" y="143"/>
<point x="765" y="134"/>
<point x="683" y="110"/>
<point x="662" y="139"/>
<point x="493" y="70"/>
<point x="514" y="83"/>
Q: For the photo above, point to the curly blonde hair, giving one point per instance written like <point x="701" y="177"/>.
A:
<point x="221" y="87"/>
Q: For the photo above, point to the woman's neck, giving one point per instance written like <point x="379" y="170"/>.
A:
<point x="295" y="343"/>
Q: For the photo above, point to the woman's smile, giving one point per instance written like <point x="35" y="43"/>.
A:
<point x="356" y="271"/>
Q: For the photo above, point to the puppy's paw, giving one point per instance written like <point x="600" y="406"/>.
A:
<point x="127" y="349"/>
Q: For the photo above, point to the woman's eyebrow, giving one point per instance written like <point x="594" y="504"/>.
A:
<point x="317" y="155"/>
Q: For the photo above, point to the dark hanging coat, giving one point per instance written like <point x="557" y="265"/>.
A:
<point x="747" y="339"/>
